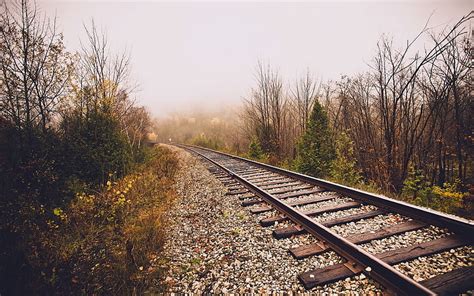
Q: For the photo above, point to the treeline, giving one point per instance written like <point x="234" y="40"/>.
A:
<point x="404" y="127"/>
<point x="68" y="127"/>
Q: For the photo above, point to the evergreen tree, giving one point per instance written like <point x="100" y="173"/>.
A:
<point x="255" y="150"/>
<point x="415" y="184"/>
<point x="344" y="167"/>
<point x="315" y="149"/>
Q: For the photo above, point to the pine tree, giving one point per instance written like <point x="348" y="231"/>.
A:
<point x="344" y="167"/>
<point x="255" y="150"/>
<point x="315" y="149"/>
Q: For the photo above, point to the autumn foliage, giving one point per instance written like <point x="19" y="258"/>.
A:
<point x="82" y="199"/>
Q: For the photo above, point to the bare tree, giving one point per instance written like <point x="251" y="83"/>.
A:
<point x="34" y="67"/>
<point x="405" y="111"/>
<point x="303" y="96"/>
<point x="101" y="80"/>
<point x="455" y="68"/>
<point x="136" y="123"/>
<point x="402" y="110"/>
<point x="101" y="85"/>
<point x="265" y="110"/>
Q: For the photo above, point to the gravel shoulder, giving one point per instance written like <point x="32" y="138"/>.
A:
<point x="217" y="246"/>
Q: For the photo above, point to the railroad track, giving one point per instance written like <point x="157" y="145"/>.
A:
<point x="302" y="199"/>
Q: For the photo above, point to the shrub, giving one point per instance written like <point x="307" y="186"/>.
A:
<point x="203" y="141"/>
<point x="415" y="184"/>
<point x="101" y="242"/>
<point x="28" y="164"/>
<point x="30" y="182"/>
<point x="344" y="167"/>
<point x="417" y="190"/>
<point x="256" y="152"/>
<point x="94" y="146"/>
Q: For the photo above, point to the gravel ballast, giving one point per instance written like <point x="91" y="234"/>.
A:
<point x="217" y="246"/>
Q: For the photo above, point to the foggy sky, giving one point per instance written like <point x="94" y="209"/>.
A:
<point x="199" y="55"/>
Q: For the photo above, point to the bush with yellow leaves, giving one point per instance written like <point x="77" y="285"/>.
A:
<point x="447" y="198"/>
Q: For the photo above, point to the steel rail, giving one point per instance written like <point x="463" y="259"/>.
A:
<point x="460" y="226"/>
<point x="380" y="271"/>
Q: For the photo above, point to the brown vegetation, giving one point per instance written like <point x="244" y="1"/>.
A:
<point x="82" y="199"/>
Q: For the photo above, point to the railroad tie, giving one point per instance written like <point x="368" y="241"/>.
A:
<point x="452" y="283"/>
<point x="344" y="206"/>
<point x="322" y="276"/>
<point x="315" y="249"/>
<point x="286" y="232"/>
<point x="300" y="202"/>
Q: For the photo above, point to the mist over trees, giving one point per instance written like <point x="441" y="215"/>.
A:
<point x="219" y="129"/>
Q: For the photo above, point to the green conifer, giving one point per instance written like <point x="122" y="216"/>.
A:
<point x="344" y="167"/>
<point x="255" y="150"/>
<point x="315" y="148"/>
